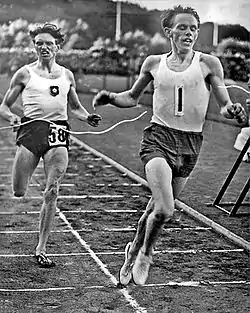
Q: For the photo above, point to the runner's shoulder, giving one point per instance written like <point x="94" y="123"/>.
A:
<point x="69" y="74"/>
<point x="151" y="62"/>
<point x="211" y="61"/>
<point x="22" y="75"/>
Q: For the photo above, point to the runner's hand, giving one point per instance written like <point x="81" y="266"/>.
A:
<point x="15" y="120"/>
<point x="94" y="120"/>
<point x="237" y="111"/>
<point x="102" y="98"/>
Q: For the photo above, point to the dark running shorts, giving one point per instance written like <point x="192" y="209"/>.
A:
<point x="40" y="136"/>
<point x="179" y="148"/>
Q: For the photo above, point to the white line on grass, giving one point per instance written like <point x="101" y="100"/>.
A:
<point x="190" y="251"/>
<point x="127" y="229"/>
<point x="71" y="211"/>
<point x="131" y="300"/>
<point x="37" y="185"/>
<point x="103" y="267"/>
<point x="38" y="174"/>
<point x="74" y="197"/>
<point x="119" y="185"/>
<point x="69" y="197"/>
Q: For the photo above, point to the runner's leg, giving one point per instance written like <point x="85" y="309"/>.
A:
<point x="24" y="164"/>
<point x="55" y="166"/>
<point x="140" y="233"/>
<point x="178" y="184"/>
<point x="159" y="177"/>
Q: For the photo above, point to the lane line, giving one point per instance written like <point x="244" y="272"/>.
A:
<point x="69" y="197"/>
<point x="190" y="251"/>
<point x="37" y="185"/>
<point x="119" y="185"/>
<point x="71" y="185"/>
<point x="133" y="302"/>
<point x="38" y="174"/>
<point x="70" y="211"/>
<point x="128" y="229"/>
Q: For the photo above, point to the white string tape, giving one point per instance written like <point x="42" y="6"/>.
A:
<point x="235" y="86"/>
<point x="78" y="132"/>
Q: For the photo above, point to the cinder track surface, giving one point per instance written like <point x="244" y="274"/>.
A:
<point x="195" y="269"/>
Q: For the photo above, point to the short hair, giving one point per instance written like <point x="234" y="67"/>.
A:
<point x="50" y="29"/>
<point x="168" y="16"/>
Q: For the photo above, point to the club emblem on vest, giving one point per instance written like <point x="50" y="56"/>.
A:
<point x="54" y="90"/>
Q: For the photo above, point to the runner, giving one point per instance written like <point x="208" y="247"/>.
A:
<point x="45" y="88"/>
<point x="183" y="80"/>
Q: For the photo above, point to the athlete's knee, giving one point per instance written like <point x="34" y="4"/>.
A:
<point x="164" y="214"/>
<point x="160" y="217"/>
<point x="51" y="193"/>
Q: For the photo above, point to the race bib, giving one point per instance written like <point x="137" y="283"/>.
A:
<point x="57" y="135"/>
<point x="179" y="100"/>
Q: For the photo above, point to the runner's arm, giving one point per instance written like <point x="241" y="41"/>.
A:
<point x="128" y="98"/>
<point x="76" y="107"/>
<point x="228" y="109"/>
<point x="15" y="88"/>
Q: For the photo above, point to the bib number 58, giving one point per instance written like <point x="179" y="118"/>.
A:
<point x="57" y="135"/>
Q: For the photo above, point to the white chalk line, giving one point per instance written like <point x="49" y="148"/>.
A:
<point x="119" y="185"/>
<point x="127" y="229"/>
<point x="67" y="197"/>
<point x="9" y="159"/>
<point x="38" y="174"/>
<point x="37" y="185"/>
<point x="72" y="185"/>
<point x="102" y="266"/>
<point x="61" y="197"/>
<point x="72" y="211"/>
<point x="174" y="251"/>
<point x="131" y="300"/>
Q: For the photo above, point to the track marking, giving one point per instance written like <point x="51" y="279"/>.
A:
<point x="103" y="267"/>
<point x="39" y="174"/>
<point x="71" y="211"/>
<point x="90" y="159"/>
<point x="128" y="229"/>
<point x="37" y="185"/>
<point x="133" y="302"/>
<point x="190" y="251"/>
<point x="69" y="197"/>
<point x="106" y="196"/>
<point x="119" y="185"/>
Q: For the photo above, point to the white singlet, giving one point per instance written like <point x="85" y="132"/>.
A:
<point x="180" y="99"/>
<point x="46" y="98"/>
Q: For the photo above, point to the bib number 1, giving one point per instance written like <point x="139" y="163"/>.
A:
<point x="57" y="135"/>
<point x="179" y="100"/>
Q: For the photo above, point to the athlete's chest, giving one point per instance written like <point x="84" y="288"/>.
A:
<point x="178" y="67"/>
<point x="48" y="75"/>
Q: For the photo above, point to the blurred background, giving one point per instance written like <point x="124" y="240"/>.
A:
<point x="114" y="37"/>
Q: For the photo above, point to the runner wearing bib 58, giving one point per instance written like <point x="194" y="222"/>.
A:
<point x="46" y="89"/>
